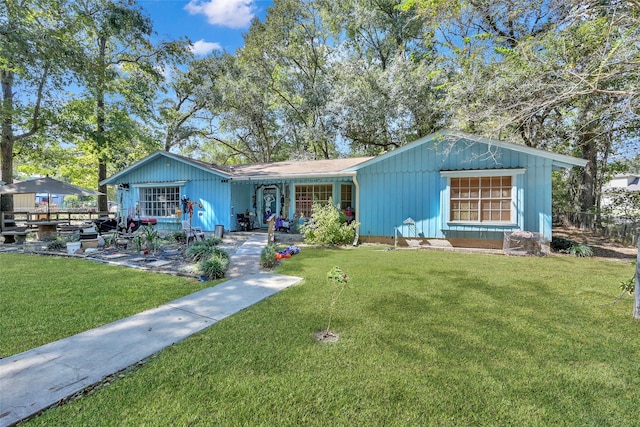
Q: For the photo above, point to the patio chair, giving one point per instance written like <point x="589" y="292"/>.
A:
<point x="243" y="223"/>
<point x="194" y="233"/>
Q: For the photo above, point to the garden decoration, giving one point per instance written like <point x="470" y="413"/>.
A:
<point x="191" y="205"/>
<point x="287" y="253"/>
<point x="188" y="205"/>
<point x="187" y="208"/>
<point x="185" y="204"/>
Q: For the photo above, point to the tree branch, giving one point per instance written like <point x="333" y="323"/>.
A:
<point x="35" y="124"/>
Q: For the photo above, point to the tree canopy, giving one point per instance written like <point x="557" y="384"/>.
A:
<point x="322" y="79"/>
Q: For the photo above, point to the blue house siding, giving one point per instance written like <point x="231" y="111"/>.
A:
<point x="199" y="185"/>
<point x="410" y="184"/>
<point x="215" y="197"/>
<point x="388" y="198"/>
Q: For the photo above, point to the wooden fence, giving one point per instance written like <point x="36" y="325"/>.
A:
<point x="20" y="218"/>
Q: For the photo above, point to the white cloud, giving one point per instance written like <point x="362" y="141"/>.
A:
<point x="202" y="47"/>
<point x="167" y="73"/>
<point x="227" y="13"/>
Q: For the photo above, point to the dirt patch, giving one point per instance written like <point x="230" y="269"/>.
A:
<point x="325" y="336"/>
<point x="602" y="246"/>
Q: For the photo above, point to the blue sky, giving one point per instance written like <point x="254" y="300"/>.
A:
<point x="210" y="24"/>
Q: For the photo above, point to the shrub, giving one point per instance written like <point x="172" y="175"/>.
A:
<point x="268" y="256"/>
<point x="215" y="266"/>
<point x="328" y="226"/>
<point x="202" y="249"/>
<point x="198" y="252"/>
<point x="56" y="245"/>
<point x="211" y="241"/>
<point x="178" y="236"/>
<point x="580" y="250"/>
<point x="560" y="244"/>
<point x="571" y="247"/>
<point x="150" y="237"/>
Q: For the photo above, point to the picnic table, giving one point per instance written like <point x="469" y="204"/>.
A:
<point x="46" y="229"/>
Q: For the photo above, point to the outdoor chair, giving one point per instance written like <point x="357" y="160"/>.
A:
<point x="243" y="223"/>
<point x="194" y="233"/>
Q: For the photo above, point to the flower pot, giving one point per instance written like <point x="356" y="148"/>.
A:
<point x="89" y="243"/>
<point x="72" y="247"/>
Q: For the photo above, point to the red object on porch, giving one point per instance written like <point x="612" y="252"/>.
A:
<point x="148" y="221"/>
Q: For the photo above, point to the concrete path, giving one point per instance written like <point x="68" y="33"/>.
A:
<point x="39" y="378"/>
<point x="246" y="259"/>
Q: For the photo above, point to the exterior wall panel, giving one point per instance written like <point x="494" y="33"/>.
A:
<point x="399" y="187"/>
<point x="205" y="187"/>
<point x="410" y="182"/>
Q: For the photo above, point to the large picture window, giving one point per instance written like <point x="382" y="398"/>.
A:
<point x="307" y="194"/>
<point x="481" y="199"/>
<point x="159" y="201"/>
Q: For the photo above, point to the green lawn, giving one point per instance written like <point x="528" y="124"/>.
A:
<point x="426" y="338"/>
<point x="43" y="298"/>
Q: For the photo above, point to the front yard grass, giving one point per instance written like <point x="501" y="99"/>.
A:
<point x="45" y="298"/>
<point x="426" y="338"/>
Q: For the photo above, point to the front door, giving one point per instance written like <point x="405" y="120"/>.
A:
<point x="270" y="201"/>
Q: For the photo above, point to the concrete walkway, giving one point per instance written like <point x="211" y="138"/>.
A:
<point x="39" y="378"/>
<point x="246" y="259"/>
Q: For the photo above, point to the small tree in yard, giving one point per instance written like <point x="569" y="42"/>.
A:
<point x="337" y="280"/>
<point x="636" y="305"/>
<point x="328" y="226"/>
<point x="632" y="286"/>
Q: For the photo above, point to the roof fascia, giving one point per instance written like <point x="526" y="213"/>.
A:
<point x="112" y="179"/>
<point x="560" y="161"/>
<point x="292" y="176"/>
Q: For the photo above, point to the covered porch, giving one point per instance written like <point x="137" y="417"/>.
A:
<point x="253" y="202"/>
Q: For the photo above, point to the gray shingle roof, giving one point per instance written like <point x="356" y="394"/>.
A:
<point x="294" y="168"/>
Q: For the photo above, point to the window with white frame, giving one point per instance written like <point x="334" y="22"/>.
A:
<point x="478" y="198"/>
<point x="159" y="201"/>
<point x="346" y="196"/>
<point x="306" y="195"/>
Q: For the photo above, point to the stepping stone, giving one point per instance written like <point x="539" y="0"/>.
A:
<point x="159" y="263"/>
<point x="114" y="256"/>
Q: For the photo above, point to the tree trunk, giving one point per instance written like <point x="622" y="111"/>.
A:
<point x="100" y="120"/>
<point x="6" y="141"/>
<point x="636" y="306"/>
<point x="589" y="177"/>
